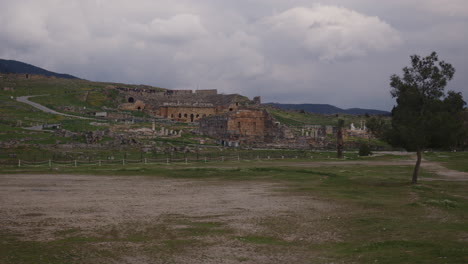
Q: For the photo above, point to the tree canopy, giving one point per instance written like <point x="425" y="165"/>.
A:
<point x="425" y="116"/>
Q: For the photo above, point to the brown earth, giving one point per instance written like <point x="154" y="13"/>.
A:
<point x="114" y="210"/>
<point x="134" y="219"/>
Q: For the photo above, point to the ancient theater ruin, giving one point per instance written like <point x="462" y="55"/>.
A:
<point x="181" y="105"/>
<point x="231" y="118"/>
<point x="244" y="126"/>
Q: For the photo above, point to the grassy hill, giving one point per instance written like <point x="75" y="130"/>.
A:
<point x="60" y="93"/>
<point x="297" y="118"/>
<point x="12" y="66"/>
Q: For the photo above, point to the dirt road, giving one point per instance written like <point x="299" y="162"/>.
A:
<point x="25" y="99"/>
<point x="204" y="217"/>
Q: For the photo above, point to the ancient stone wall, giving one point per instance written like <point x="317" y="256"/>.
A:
<point x="201" y="98"/>
<point x="215" y="126"/>
<point x="207" y="92"/>
<point x="245" y="126"/>
<point x="257" y="100"/>
<point x="186" y="114"/>
<point x="137" y="105"/>
<point x="180" y="105"/>
<point x="191" y="113"/>
<point x="247" y="123"/>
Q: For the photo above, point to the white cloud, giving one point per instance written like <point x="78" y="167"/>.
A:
<point x="293" y="50"/>
<point x="178" y="28"/>
<point x="330" y="32"/>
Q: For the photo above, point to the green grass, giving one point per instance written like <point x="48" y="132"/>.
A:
<point x="82" y="96"/>
<point x="382" y="218"/>
<point x="294" y="118"/>
<point x="77" y="246"/>
<point x="213" y="155"/>
<point x="452" y="160"/>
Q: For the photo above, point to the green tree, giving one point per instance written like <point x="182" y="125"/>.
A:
<point x="425" y="116"/>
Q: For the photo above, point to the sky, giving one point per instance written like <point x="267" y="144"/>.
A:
<point x="339" y="52"/>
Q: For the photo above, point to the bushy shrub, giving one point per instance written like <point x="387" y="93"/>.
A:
<point x="364" y="150"/>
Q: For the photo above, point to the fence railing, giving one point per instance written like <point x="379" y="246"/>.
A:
<point x="168" y="160"/>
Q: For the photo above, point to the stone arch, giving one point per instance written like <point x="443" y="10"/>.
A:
<point x="191" y="117"/>
<point x="131" y="100"/>
<point x="180" y="115"/>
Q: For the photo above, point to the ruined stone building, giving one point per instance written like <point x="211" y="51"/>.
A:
<point x="244" y="126"/>
<point x="232" y="119"/>
<point x="181" y="105"/>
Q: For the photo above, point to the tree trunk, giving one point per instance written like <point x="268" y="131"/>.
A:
<point x="416" y="168"/>
<point x="339" y="139"/>
<point x="339" y="145"/>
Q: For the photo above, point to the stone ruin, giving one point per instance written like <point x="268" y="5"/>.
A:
<point x="245" y="126"/>
<point x="232" y="119"/>
<point x="181" y="105"/>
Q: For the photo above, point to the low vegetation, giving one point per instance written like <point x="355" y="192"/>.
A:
<point x="386" y="220"/>
<point x="297" y="118"/>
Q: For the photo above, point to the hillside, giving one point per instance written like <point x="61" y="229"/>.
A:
<point x="296" y="119"/>
<point x="12" y="66"/>
<point x="328" y="109"/>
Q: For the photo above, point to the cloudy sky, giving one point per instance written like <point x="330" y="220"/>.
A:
<point x="340" y="52"/>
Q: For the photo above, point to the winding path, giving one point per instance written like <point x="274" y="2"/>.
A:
<point x="25" y="99"/>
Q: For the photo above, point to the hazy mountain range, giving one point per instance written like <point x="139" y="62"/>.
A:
<point x="328" y="109"/>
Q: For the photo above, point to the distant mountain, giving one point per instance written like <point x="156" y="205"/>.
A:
<point x="328" y="109"/>
<point x="12" y="66"/>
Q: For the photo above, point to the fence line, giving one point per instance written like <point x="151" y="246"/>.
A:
<point x="200" y="158"/>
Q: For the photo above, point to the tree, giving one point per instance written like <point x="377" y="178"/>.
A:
<point x="424" y="117"/>
<point x="339" y="139"/>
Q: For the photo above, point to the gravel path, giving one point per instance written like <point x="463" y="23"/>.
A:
<point x="45" y="208"/>
<point x="25" y="99"/>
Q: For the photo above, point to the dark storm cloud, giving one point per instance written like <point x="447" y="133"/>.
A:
<point x="339" y="52"/>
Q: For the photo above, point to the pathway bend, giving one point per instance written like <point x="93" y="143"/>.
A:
<point x="25" y="99"/>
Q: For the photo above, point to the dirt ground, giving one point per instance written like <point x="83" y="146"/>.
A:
<point x="179" y="221"/>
